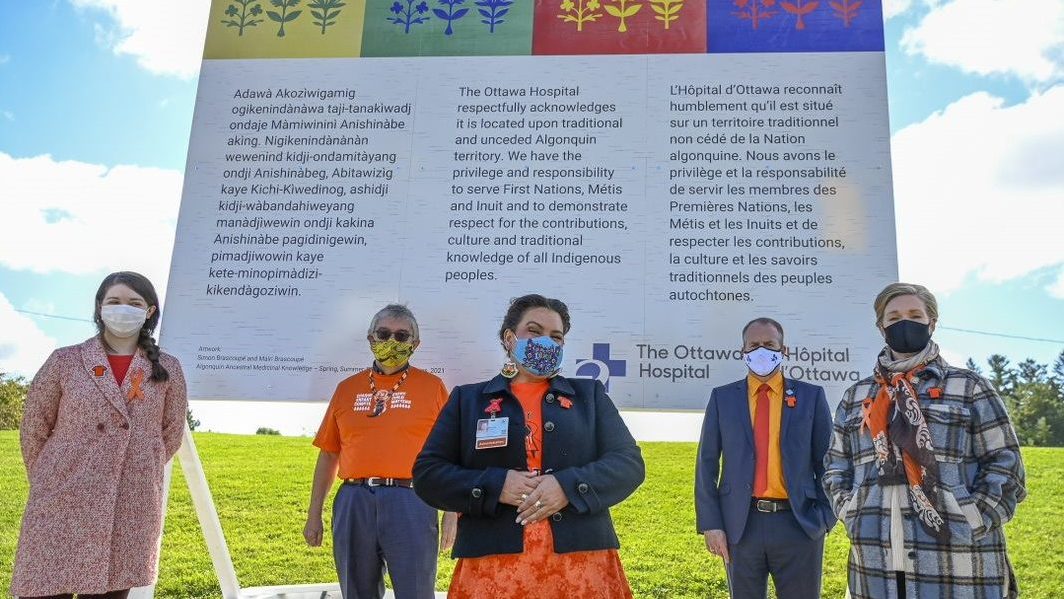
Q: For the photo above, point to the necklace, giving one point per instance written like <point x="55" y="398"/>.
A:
<point x="380" y="398"/>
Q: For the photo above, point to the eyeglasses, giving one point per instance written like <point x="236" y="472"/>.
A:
<point x="385" y="334"/>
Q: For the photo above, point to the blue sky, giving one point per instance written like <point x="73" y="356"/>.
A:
<point x="96" y="101"/>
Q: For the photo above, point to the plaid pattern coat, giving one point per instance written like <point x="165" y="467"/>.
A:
<point x="94" y="454"/>
<point x="982" y="481"/>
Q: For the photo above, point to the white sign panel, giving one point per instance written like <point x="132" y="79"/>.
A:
<point x="668" y="183"/>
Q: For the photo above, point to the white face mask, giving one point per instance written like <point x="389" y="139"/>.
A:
<point x="762" y="361"/>
<point x="122" y="320"/>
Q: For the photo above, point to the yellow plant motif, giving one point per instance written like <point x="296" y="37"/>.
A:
<point x="580" y="12"/>
<point x="667" y="10"/>
<point x="623" y="11"/>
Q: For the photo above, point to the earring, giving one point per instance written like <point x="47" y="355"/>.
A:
<point x="509" y="369"/>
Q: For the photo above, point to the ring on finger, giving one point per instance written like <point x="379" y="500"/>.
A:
<point x="539" y="503"/>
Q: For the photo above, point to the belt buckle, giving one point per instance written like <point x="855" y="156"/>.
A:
<point x="373" y="481"/>
<point x="770" y="506"/>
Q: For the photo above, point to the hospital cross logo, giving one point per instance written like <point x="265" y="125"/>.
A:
<point x="600" y="366"/>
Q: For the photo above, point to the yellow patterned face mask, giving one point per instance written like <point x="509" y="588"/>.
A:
<point x="391" y="353"/>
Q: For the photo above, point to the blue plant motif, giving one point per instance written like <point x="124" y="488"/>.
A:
<point x="493" y="12"/>
<point x="450" y="15"/>
<point x="409" y="15"/>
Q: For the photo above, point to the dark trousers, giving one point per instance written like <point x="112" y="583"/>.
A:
<point x="378" y="528"/>
<point x="108" y="595"/>
<point x="775" y="545"/>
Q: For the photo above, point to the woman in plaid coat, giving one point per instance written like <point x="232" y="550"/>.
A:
<point x="924" y="468"/>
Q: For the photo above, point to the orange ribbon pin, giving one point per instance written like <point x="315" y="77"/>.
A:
<point x="134" y="388"/>
<point x="98" y="370"/>
<point x="791" y="399"/>
<point x="565" y="402"/>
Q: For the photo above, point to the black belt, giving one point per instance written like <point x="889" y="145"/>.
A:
<point x="771" y="506"/>
<point x="379" y="481"/>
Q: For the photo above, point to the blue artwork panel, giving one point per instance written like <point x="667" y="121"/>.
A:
<point x="795" y="26"/>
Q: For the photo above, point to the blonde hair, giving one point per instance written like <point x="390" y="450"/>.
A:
<point x="899" y="289"/>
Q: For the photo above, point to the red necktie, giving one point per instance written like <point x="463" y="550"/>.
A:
<point x="761" y="418"/>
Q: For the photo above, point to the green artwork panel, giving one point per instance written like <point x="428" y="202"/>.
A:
<point x="447" y="28"/>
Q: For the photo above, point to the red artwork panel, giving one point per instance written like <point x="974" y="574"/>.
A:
<point x="619" y="27"/>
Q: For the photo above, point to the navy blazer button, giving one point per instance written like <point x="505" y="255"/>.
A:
<point x="583" y="488"/>
<point x="477" y="492"/>
<point x="549" y="426"/>
<point x="549" y="398"/>
<point x="557" y="516"/>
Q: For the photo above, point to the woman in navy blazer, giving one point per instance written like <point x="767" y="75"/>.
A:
<point x="587" y="458"/>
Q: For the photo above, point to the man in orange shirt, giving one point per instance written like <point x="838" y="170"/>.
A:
<point x="766" y="513"/>
<point x="373" y="429"/>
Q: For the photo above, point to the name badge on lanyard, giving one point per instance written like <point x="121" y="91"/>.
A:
<point x="492" y="432"/>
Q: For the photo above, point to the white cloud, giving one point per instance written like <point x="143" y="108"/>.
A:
<point x="23" y="346"/>
<point x="79" y="218"/>
<point x="165" y="37"/>
<point x="893" y="8"/>
<point x="978" y="190"/>
<point x="1023" y="38"/>
<point x="1056" y="289"/>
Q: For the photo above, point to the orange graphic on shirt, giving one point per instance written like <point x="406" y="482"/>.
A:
<point x="531" y="443"/>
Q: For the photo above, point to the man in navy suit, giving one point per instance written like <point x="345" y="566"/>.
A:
<point x="766" y="513"/>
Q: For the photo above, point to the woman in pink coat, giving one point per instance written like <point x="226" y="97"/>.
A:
<point x="101" y="420"/>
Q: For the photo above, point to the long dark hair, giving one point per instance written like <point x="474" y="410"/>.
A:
<point x="143" y="287"/>
<point x="520" y="305"/>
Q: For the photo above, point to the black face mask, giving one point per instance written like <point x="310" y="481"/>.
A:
<point x="908" y="336"/>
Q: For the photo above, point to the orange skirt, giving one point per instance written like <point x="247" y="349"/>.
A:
<point x="540" y="572"/>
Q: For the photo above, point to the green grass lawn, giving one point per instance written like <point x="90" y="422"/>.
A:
<point x="261" y="483"/>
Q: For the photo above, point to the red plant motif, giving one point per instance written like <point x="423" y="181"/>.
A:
<point x="847" y="10"/>
<point x="754" y="10"/>
<point x="799" y="9"/>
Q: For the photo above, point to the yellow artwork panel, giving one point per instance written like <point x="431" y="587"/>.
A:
<point x="285" y="28"/>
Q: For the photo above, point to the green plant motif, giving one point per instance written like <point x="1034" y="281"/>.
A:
<point x="580" y="12"/>
<point x="667" y="10"/>
<point x="284" y="16"/>
<point x="622" y="11"/>
<point x="326" y="12"/>
<point x="244" y="16"/>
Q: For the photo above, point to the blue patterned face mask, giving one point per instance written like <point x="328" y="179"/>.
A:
<point x="542" y="356"/>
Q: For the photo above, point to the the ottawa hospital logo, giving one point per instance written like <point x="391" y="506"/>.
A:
<point x="600" y="366"/>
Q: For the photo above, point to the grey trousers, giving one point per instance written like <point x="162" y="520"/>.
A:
<point x="384" y="528"/>
<point x="775" y="545"/>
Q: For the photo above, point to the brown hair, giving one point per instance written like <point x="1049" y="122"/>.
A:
<point x="899" y="289"/>
<point x="143" y="287"/>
